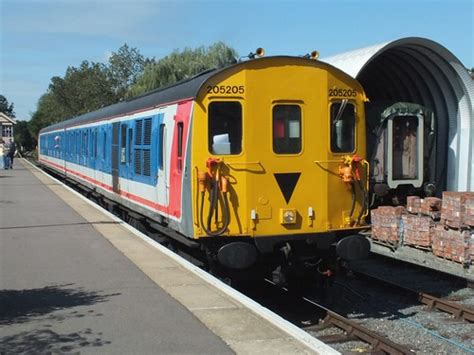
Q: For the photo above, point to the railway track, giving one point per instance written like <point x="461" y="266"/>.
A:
<point x="351" y="330"/>
<point x="459" y="311"/>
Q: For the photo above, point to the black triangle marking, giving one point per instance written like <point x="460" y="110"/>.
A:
<point x="287" y="183"/>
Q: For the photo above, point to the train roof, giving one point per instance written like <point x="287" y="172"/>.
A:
<point x="186" y="89"/>
<point x="182" y="90"/>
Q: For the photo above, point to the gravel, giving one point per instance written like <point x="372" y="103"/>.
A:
<point x="397" y="315"/>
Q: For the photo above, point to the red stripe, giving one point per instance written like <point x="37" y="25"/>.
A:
<point x="128" y="195"/>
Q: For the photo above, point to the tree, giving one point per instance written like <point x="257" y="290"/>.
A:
<point x="88" y="87"/>
<point x="49" y="110"/>
<point x="82" y="90"/>
<point x="23" y="136"/>
<point x="6" y="108"/>
<point x="124" y="68"/>
<point x="182" y="65"/>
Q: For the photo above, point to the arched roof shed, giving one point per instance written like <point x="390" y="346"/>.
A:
<point x="422" y="71"/>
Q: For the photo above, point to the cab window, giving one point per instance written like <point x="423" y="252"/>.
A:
<point x="225" y="128"/>
<point x="342" y="127"/>
<point x="286" y="129"/>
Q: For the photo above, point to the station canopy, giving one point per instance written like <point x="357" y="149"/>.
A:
<point x="424" y="72"/>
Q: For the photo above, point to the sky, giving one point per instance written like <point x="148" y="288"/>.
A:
<point x="39" y="39"/>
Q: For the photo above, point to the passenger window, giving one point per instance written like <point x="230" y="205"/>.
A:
<point x="162" y="146"/>
<point x="225" y="128"/>
<point x="405" y="148"/>
<point x="342" y="127"/>
<point x="180" y="146"/>
<point x="123" y="144"/>
<point x="286" y="129"/>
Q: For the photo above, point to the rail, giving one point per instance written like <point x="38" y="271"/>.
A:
<point x="459" y="311"/>
<point x="352" y="330"/>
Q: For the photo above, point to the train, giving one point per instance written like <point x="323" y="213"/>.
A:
<point x="258" y="165"/>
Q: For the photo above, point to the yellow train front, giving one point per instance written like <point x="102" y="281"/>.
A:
<point x="277" y="163"/>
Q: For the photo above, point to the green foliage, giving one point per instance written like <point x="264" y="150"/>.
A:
<point x="6" y="108"/>
<point x="87" y="88"/>
<point x="23" y="136"/>
<point x="124" y="68"/>
<point x="182" y="65"/>
<point x="83" y="89"/>
<point x="94" y="85"/>
<point x="49" y="111"/>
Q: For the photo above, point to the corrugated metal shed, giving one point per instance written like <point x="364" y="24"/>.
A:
<point x="422" y="71"/>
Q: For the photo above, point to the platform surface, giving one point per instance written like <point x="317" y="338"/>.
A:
<point x="72" y="279"/>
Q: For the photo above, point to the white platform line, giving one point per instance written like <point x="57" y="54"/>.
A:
<point x="289" y="328"/>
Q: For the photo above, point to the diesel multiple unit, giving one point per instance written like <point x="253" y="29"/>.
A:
<point x="259" y="162"/>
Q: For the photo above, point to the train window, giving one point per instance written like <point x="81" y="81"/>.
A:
<point x="104" y="144"/>
<point x="342" y="127"/>
<point x="405" y="148"/>
<point x="162" y="146"/>
<point x="123" y="143"/>
<point x="180" y="146"/>
<point x="286" y="129"/>
<point x="225" y="128"/>
<point x="130" y="136"/>
<point x="95" y="143"/>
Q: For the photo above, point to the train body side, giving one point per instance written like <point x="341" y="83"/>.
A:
<point x="131" y="160"/>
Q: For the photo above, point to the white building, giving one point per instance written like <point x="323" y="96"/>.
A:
<point x="6" y="127"/>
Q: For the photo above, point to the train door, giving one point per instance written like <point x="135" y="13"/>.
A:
<point x="124" y="157"/>
<point x="95" y="144"/>
<point x="115" y="157"/>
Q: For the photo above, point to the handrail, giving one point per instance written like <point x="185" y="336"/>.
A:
<point x="244" y="163"/>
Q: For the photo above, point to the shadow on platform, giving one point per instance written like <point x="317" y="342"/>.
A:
<point x="45" y="341"/>
<point x="19" y="306"/>
<point x="22" y="306"/>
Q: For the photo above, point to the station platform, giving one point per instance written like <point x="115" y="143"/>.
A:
<point x="75" y="279"/>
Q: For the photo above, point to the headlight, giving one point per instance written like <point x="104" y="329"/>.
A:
<point x="287" y="216"/>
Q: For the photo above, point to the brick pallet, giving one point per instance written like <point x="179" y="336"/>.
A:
<point x="386" y="224"/>
<point x="452" y="244"/>
<point x="428" y="206"/>
<point x="458" y="209"/>
<point x="418" y="231"/>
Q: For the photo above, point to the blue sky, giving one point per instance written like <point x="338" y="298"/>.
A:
<point x="39" y="39"/>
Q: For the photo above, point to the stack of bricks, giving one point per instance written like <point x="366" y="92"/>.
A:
<point x="417" y="230"/>
<point x="453" y="239"/>
<point x="431" y="206"/>
<point x="419" y="224"/>
<point x="414" y="204"/>
<point x="453" y="244"/>
<point x="386" y="224"/>
<point x="458" y="209"/>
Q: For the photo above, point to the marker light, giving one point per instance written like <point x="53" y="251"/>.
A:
<point x="314" y="55"/>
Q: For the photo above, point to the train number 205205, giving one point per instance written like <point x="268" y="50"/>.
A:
<point x="343" y="92"/>
<point x="225" y="89"/>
